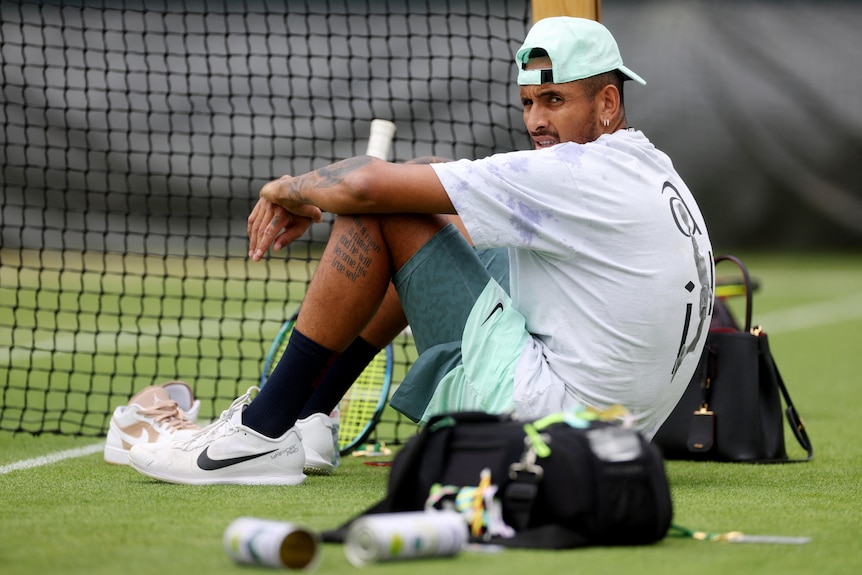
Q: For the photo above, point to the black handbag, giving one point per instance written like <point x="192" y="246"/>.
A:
<point x="731" y="409"/>
<point x="559" y="486"/>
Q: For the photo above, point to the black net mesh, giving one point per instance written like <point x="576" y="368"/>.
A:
<point x="134" y="138"/>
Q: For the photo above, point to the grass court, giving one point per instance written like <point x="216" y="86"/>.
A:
<point x="80" y="515"/>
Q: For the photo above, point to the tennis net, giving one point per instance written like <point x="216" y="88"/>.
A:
<point x="135" y="138"/>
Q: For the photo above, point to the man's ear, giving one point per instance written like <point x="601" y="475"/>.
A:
<point x="609" y="101"/>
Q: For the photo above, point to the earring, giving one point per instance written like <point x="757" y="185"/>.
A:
<point x="606" y="122"/>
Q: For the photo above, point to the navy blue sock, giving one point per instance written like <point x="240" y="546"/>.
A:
<point x="340" y="377"/>
<point x="299" y="372"/>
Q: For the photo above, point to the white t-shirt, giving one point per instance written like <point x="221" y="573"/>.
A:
<point x="611" y="266"/>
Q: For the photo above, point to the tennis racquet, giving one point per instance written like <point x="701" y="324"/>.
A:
<point x="364" y="402"/>
<point x="732" y="287"/>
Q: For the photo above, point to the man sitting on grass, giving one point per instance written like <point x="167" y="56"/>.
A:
<point x="611" y="274"/>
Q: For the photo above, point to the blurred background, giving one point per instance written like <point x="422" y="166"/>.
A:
<point x="151" y="126"/>
<point x="758" y="104"/>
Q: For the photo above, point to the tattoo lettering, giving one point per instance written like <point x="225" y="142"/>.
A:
<point x="354" y="251"/>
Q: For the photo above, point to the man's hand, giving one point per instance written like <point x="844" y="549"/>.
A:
<point x="287" y="192"/>
<point x="278" y="218"/>
<point x="271" y="225"/>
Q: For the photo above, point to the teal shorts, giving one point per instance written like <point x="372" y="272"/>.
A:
<point x="468" y="335"/>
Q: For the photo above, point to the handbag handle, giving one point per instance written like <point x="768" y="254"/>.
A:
<point x="746" y="280"/>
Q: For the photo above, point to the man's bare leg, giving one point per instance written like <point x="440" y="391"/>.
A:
<point x="390" y="320"/>
<point x="348" y="290"/>
<point x="350" y="285"/>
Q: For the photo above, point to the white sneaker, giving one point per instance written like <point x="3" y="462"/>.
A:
<point x="225" y="451"/>
<point x="151" y="416"/>
<point x="320" y="440"/>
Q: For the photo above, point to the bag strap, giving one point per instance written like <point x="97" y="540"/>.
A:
<point x="746" y="279"/>
<point x="793" y="417"/>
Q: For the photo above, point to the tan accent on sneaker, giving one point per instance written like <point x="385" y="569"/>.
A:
<point x="155" y="403"/>
<point x="168" y="412"/>
<point x="137" y="431"/>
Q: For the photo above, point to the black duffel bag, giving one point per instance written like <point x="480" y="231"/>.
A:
<point x="562" y="482"/>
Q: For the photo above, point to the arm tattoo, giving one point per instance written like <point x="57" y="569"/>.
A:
<point x="327" y="177"/>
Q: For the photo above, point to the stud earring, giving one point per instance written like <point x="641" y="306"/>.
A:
<point x="606" y="122"/>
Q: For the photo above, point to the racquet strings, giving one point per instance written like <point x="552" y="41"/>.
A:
<point x="364" y="401"/>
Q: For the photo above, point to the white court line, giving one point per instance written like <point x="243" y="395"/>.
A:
<point x="52" y="458"/>
<point x="818" y="314"/>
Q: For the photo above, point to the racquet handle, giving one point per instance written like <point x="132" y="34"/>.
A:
<point x="380" y="139"/>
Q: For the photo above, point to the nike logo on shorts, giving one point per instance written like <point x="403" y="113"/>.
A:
<point x="207" y="464"/>
<point x="499" y="306"/>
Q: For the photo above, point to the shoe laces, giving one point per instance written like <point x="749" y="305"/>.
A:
<point x="223" y="425"/>
<point x="167" y="413"/>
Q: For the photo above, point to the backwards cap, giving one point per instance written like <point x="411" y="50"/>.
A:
<point x="578" y="48"/>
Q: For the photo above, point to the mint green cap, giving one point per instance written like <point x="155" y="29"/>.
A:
<point x="578" y="48"/>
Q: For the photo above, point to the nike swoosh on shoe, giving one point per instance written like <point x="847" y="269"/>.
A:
<point x="128" y="440"/>
<point x="207" y="464"/>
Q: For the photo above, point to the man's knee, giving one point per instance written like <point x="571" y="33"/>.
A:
<point x="405" y="234"/>
<point x="399" y="236"/>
